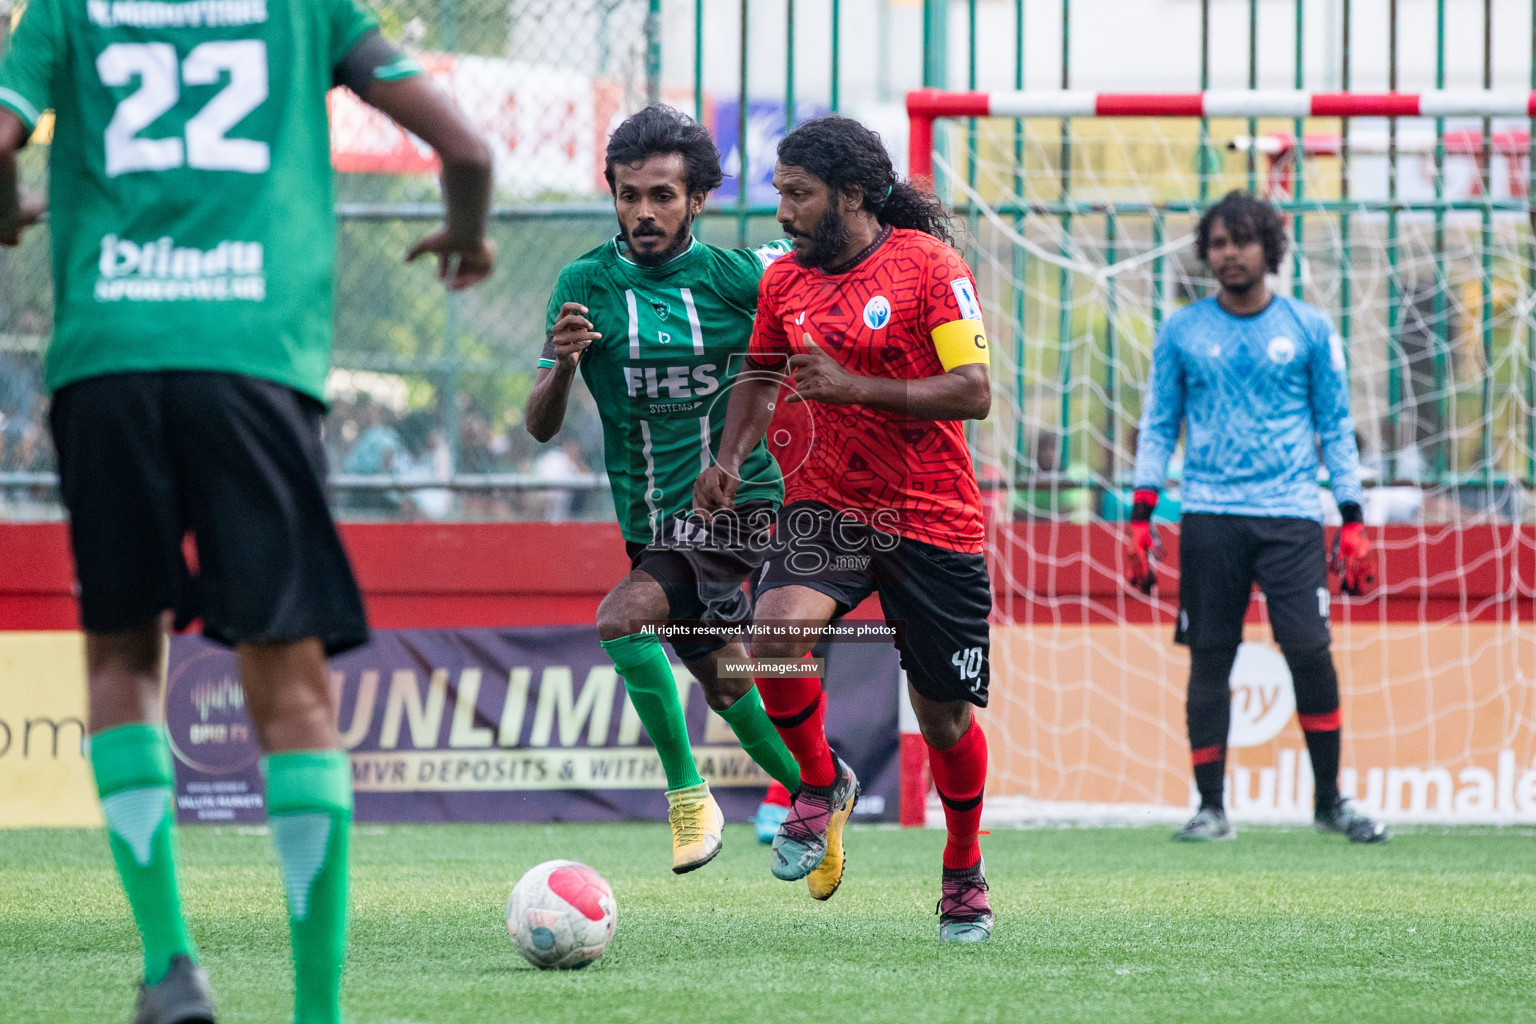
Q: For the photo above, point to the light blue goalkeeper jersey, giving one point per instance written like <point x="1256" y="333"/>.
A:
<point x="1257" y="396"/>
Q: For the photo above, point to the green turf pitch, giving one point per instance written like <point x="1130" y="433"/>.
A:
<point x="1116" y="925"/>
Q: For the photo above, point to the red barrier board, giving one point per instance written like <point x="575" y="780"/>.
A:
<point x="430" y="575"/>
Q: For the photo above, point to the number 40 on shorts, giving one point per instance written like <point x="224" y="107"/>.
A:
<point x="967" y="663"/>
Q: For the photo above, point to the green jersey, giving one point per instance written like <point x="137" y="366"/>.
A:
<point x="673" y="339"/>
<point x="190" y="176"/>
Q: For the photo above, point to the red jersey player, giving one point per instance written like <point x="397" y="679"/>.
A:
<point x="877" y="323"/>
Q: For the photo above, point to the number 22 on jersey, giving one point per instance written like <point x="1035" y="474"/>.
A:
<point x="205" y="146"/>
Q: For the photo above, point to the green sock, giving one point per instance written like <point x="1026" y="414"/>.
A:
<point x="647" y="674"/>
<point x="761" y="740"/>
<point x="132" y="764"/>
<point x="309" y="808"/>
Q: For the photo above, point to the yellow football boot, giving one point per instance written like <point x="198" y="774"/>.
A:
<point x="828" y="875"/>
<point x="696" y="823"/>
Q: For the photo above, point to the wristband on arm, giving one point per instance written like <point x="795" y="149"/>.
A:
<point x="1143" y="502"/>
<point x="373" y="59"/>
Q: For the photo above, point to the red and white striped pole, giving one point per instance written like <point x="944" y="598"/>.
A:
<point x="916" y="779"/>
<point x="924" y="106"/>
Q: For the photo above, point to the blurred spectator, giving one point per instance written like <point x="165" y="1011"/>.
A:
<point x="1417" y="426"/>
<point x="1370" y="460"/>
<point x="378" y="446"/>
<point x="427" y="457"/>
<point x="378" y="450"/>
<point x="559" y="464"/>
<point x="24" y="443"/>
<point x="23" y="415"/>
<point x="21" y="384"/>
<point x="339" y="432"/>
<point x="1047" y="452"/>
<point x="481" y="452"/>
<point x="475" y="455"/>
<point x="1393" y="505"/>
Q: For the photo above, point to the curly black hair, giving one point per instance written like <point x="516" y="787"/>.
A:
<point x="1248" y="218"/>
<point x="662" y="129"/>
<point x="846" y="155"/>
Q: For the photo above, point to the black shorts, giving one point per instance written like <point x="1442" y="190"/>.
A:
<point x="1221" y="557"/>
<point x="938" y="600"/>
<point x="146" y="458"/>
<point x="701" y="564"/>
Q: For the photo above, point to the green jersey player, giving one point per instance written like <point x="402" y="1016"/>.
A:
<point x="658" y="323"/>
<point x="193" y="246"/>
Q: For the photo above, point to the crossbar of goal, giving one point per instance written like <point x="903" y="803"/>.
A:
<point x="924" y="106"/>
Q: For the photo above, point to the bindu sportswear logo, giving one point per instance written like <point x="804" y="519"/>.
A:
<point x="1263" y="698"/>
<point x="162" y="271"/>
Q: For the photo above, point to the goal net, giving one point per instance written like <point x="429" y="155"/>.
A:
<point x="1407" y="218"/>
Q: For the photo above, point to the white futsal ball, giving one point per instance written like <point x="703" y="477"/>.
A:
<point x="561" y="915"/>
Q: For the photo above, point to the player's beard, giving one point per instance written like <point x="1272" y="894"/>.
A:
<point x="655" y="259"/>
<point x="828" y="240"/>
<point x="1243" y="286"/>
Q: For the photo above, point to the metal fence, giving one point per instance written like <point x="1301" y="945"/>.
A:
<point x="428" y="388"/>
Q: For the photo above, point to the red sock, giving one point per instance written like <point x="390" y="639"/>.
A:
<point x="798" y="708"/>
<point x="777" y="795"/>
<point x="960" y="776"/>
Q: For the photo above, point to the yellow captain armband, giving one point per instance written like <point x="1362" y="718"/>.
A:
<point x="961" y="342"/>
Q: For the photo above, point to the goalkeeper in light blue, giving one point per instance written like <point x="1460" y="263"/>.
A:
<point x="1258" y="383"/>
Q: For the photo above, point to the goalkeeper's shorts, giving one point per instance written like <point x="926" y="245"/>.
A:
<point x="145" y="459"/>
<point x="1221" y="557"/>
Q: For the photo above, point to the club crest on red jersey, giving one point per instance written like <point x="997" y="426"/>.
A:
<point x="877" y="312"/>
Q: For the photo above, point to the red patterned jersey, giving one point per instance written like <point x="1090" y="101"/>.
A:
<point x="899" y="473"/>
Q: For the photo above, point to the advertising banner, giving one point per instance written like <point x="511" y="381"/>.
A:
<point x="547" y="126"/>
<point x="765" y="127"/>
<point x="45" y="778"/>
<point x="538" y="120"/>
<point x="526" y="724"/>
<point x="1088" y="721"/>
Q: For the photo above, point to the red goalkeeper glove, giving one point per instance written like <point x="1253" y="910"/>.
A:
<point x="1352" y="560"/>
<point x="1142" y="547"/>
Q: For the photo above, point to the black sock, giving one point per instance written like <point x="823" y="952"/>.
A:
<point x="1323" y="746"/>
<point x="1210" y="780"/>
<point x="1317" y="706"/>
<point x="1208" y="714"/>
